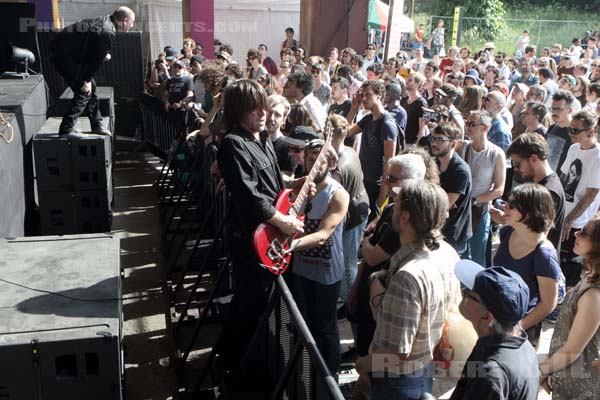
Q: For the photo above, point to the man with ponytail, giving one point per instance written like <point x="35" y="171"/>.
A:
<point x="411" y="299"/>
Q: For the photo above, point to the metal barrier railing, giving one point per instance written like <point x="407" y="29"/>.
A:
<point x="194" y="213"/>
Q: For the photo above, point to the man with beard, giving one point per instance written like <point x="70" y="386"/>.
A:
<point x="411" y="299"/>
<point x="318" y="264"/>
<point x="455" y="179"/>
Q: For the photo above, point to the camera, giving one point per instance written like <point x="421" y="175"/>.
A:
<point x="157" y="63"/>
<point x="432" y="116"/>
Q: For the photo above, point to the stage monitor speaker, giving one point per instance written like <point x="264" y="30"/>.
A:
<point x="18" y="27"/>
<point x="56" y="347"/>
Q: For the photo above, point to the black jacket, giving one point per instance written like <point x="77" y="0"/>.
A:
<point x="500" y="368"/>
<point x="79" y="49"/>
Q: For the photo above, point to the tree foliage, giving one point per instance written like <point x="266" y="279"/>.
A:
<point x="491" y="10"/>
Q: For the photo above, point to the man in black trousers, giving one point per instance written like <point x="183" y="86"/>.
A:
<point x="77" y="53"/>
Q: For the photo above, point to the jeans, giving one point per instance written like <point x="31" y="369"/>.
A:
<point x="351" y="242"/>
<point x="405" y="387"/>
<point x="373" y="189"/>
<point x="78" y="105"/>
<point x="478" y="243"/>
<point x="462" y="248"/>
<point x="318" y="304"/>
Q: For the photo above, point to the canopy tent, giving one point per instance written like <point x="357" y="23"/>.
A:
<point x="378" y="15"/>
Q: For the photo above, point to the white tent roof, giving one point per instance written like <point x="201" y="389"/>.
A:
<point x="260" y="5"/>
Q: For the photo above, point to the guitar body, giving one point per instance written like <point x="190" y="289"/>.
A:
<point x="270" y="242"/>
<point x="271" y="245"/>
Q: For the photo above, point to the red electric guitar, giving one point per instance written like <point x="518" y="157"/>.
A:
<point x="273" y="246"/>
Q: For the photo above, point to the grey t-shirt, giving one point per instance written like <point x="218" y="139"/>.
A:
<point x="482" y="164"/>
<point x="349" y="169"/>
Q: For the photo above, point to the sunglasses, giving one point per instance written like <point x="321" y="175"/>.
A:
<point x="466" y="294"/>
<point x="583" y="233"/>
<point x="471" y="124"/>
<point x="294" y="149"/>
<point x="439" y="140"/>
<point x="392" y="179"/>
<point x="315" y="144"/>
<point x="575" y="131"/>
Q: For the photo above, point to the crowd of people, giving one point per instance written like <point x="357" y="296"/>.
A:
<point x="430" y="160"/>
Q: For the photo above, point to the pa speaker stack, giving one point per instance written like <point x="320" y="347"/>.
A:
<point x="74" y="179"/>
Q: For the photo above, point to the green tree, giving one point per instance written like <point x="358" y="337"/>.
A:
<point x="491" y="10"/>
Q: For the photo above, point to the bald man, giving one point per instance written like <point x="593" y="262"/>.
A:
<point x="77" y="52"/>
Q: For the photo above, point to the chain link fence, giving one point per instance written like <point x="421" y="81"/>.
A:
<point x="504" y="32"/>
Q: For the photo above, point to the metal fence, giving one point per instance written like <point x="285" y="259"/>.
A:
<point x="505" y="31"/>
<point x="193" y="210"/>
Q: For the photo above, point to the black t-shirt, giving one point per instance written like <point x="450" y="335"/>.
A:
<point x="340" y="109"/>
<point x="385" y="236"/>
<point x="457" y="179"/>
<point x="374" y="134"/>
<point x="559" y="142"/>
<point x="414" y="111"/>
<point x="554" y="186"/>
<point x="541" y="130"/>
<point x="284" y="160"/>
<point x="343" y="110"/>
<point x="178" y="87"/>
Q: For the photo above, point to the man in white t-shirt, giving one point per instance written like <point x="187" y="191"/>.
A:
<point x="581" y="182"/>
<point x="418" y="63"/>
<point x="523" y="41"/>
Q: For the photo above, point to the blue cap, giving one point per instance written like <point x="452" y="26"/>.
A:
<point x="170" y="53"/>
<point x="473" y="74"/>
<point x="502" y="291"/>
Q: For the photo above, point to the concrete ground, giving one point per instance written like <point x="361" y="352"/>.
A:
<point x="136" y="222"/>
<point x="148" y="343"/>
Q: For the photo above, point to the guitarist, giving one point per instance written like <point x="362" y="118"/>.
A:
<point x="248" y="165"/>
<point x="318" y="255"/>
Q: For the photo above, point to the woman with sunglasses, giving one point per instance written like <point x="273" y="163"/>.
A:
<point x="524" y="249"/>
<point x="575" y="344"/>
<point x="580" y="89"/>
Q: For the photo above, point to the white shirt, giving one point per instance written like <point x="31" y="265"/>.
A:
<point x="316" y="110"/>
<point x="581" y="168"/>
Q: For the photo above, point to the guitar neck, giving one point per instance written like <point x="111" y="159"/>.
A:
<point x="295" y="209"/>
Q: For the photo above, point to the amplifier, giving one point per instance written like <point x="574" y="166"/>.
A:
<point x="106" y="99"/>
<point x="72" y="162"/>
<point x="66" y="344"/>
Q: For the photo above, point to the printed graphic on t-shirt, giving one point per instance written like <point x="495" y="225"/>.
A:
<point x="323" y="252"/>
<point x="573" y="178"/>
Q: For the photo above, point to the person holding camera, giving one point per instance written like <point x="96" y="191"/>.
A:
<point x="178" y="92"/>
<point x="77" y="52"/>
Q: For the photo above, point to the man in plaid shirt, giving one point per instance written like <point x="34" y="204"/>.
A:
<point x="412" y="298"/>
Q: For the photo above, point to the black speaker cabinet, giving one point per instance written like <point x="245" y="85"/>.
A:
<point x="55" y="347"/>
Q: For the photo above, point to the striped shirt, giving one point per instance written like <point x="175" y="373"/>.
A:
<point x="415" y="305"/>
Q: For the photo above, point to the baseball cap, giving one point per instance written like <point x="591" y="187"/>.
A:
<point x="301" y="136"/>
<point x="571" y="79"/>
<point x="489" y="45"/>
<point x="473" y="74"/>
<point x="170" y="54"/>
<point x="502" y="291"/>
<point x="448" y="90"/>
<point x="503" y="88"/>
<point x="224" y="55"/>
<point x="199" y="59"/>
<point x="179" y="63"/>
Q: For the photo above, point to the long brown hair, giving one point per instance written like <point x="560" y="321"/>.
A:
<point x="472" y="100"/>
<point x="241" y="98"/>
<point x="591" y="259"/>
